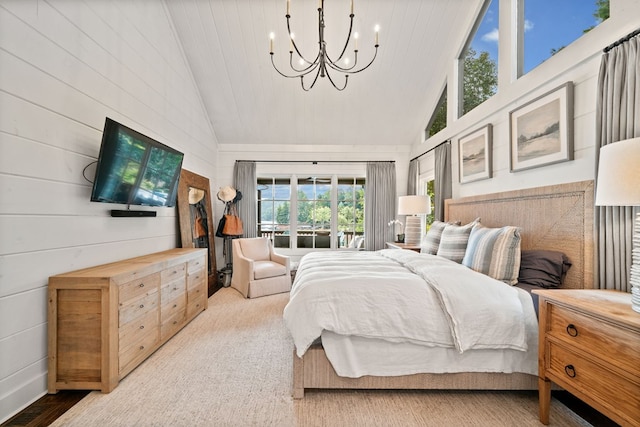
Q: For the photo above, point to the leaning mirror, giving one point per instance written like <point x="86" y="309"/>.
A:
<point x="196" y="219"/>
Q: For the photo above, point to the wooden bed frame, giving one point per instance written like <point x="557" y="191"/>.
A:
<point x="557" y="217"/>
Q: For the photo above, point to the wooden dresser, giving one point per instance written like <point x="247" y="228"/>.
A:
<point x="590" y="346"/>
<point x="105" y="320"/>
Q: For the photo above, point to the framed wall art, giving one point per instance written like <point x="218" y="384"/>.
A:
<point x="541" y="131"/>
<point x="474" y="155"/>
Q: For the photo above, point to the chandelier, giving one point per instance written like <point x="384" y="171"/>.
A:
<point x="322" y="65"/>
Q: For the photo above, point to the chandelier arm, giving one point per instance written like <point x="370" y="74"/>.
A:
<point x="310" y="68"/>
<point x="293" y="42"/>
<point x="312" y="83"/>
<point x="346" y="43"/>
<point x="346" y="80"/>
<point x="287" y="75"/>
<point x="348" y="70"/>
<point x="334" y="64"/>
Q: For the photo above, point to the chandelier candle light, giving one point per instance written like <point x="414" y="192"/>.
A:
<point x="322" y="64"/>
<point x="619" y="185"/>
<point x="413" y="207"/>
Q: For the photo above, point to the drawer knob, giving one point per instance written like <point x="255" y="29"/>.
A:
<point x="141" y="326"/>
<point x="175" y="305"/>
<point x="142" y="285"/>
<point x="141" y="347"/>
<point x="572" y="330"/>
<point x="141" y="305"/>
<point x="570" y="371"/>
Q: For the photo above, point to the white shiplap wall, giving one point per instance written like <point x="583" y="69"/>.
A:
<point x="64" y="67"/>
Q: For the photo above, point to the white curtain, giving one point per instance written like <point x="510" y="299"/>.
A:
<point x="443" y="183"/>
<point x="617" y="118"/>
<point x="244" y="180"/>
<point x="380" y="204"/>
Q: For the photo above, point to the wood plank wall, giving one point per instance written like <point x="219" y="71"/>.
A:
<point x="64" y="67"/>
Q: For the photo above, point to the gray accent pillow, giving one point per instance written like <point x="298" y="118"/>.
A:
<point x="431" y="241"/>
<point x="454" y="239"/>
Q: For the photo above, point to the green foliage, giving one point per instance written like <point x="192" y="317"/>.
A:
<point x="439" y="121"/>
<point x="480" y="79"/>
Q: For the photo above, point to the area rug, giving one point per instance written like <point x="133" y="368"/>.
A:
<point x="231" y="366"/>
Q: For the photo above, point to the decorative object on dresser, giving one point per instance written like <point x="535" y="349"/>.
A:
<point x="619" y="185"/>
<point x="590" y="346"/>
<point x="414" y="207"/>
<point x="105" y="320"/>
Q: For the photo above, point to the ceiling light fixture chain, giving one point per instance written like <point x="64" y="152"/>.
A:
<point x="322" y="63"/>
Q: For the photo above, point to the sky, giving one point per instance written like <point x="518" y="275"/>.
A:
<point x="549" y="24"/>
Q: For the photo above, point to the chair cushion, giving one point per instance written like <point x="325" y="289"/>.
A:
<point x="255" y="249"/>
<point x="266" y="269"/>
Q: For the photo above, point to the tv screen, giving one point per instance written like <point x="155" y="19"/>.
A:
<point x="134" y="169"/>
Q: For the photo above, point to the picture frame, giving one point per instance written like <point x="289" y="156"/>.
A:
<point x="541" y="131"/>
<point x="475" y="155"/>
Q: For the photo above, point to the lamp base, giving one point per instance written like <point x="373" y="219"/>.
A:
<point x="413" y="230"/>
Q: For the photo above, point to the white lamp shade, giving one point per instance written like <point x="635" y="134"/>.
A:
<point x="414" y="205"/>
<point x="619" y="174"/>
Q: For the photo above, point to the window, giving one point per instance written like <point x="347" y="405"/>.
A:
<point x="312" y="212"/>
<point x="429" y="190"/>
<point x="439" y="119"/>
<point x="350" y="212"/>
<point x="274" y="205"/>
<point x="549" y="26"/>
<point x="479" y="73"/>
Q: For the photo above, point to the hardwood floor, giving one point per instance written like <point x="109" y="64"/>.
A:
<point x="48" y="408"/>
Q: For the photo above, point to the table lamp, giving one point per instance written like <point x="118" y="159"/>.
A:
<point x="619" y="185"/>
<point x="413" y="207"/>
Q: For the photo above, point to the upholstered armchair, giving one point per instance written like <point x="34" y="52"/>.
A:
<point x="257" y="269"/>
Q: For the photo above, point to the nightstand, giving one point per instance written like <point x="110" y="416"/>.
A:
<point x="590" y="346"/>
<point x="396" y="245"/>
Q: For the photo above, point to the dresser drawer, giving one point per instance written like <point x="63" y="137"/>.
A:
<point x="137" y="329"/>
<point x="130" y="357"/>
<point x="196" y="279"/>
<point x="596" y="336"/>
<point x="609" y="390"/>
<point x="196" y="305"/>
<point x="176" y="305"/>
<point x="133" y="309"/>
<point x="136" y="288"/>
<point x="172" y="290"/>
<point x="196" y="264"/>
<point x="172" y="324"/>
<point x="173" y="273"/>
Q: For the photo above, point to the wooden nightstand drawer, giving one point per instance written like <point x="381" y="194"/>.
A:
<point x="596" y="336"/>
<point x="589" y="380"/>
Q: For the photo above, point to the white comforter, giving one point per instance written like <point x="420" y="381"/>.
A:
<point x="402" y="296"/>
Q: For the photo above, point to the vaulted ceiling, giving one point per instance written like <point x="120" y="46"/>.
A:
<point x="226" y="43"/>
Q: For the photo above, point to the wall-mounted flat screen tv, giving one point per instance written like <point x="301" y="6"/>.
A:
<point x="134" y="169"/>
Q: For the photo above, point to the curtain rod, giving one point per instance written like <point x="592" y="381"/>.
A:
<point x="622" y="40"/>
<point x="430" y="150"/>
<point x="315" y="162"/>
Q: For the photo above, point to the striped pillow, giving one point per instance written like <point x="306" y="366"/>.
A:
<point x="494" y="252"/>
<point x="431" y="241"/>
<point x="453" y="242"/>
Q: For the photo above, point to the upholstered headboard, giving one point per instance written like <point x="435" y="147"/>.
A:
<point x="556" y="217"/>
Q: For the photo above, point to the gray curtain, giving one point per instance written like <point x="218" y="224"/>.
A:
<point x="244" y="180"/>
<point x="412" y="179"/>
<point x="442" y="185"/>
<point x="380" y="204"/>
<point x="617" y="118"/>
